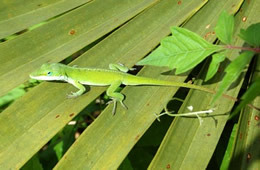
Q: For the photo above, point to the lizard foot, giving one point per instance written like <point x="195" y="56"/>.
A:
<point x="72" y="95"/>
<point x="114" y="101"/>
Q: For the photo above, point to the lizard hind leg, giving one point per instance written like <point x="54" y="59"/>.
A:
<point x="115" y="96"/>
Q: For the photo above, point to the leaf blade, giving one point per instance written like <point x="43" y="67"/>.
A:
<point x="214" y="64"/>
<point x="251" y="35"/>
<point x="183" y="51"/>
<point x="233" y="71"/>
<point x="251" y="93"/>
<point x="225" y="27"/>
<point x="17" y="15"/>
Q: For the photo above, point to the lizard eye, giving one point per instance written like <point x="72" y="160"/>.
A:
<point x="49" y="73"/>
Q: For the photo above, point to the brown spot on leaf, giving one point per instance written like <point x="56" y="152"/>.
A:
<point x="256" y="118"/>
<point x="207" y="34"/>
<point x="248" y="122"/>
<point x="208" y="134"/>
<point x="72" y="114"/>
<point x="137" y="137"/>
<point x="240" y="135"/>
<point x="179" y="2"/>
<point x="72" y="32"/>
<point x="168" y="166"/>
<point x="57" y="116"/>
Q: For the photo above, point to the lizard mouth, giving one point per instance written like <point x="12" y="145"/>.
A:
<point x="43" y="77"/>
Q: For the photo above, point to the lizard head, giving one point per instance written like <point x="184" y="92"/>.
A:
<point x="53" y="71"/>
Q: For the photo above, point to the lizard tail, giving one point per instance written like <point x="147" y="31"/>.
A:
<point x="137" y="80"/>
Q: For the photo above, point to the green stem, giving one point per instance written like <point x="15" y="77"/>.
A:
<point x="256" y="50"/>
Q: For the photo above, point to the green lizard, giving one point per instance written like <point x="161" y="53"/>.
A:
<point x="113" y="77"/>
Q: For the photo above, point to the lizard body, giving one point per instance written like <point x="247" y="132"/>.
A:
<point x="113" y="77"/>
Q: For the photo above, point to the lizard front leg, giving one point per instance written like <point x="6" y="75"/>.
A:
<point x="81" y="88"/>
<point x="120" y="67"/>
<point x="116" y="96"/>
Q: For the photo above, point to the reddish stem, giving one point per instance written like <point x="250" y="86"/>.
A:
<point x="256" y="50"/>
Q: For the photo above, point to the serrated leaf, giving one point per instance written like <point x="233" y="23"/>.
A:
<point x="225" y="27"/>
<point x="183" y="51"/>
<point x="251" y="35"/>
<point x="233" y="71"/>
<point x="214" y="64"/>
<point x="248" y="96"/>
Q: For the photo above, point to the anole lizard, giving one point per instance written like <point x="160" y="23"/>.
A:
<point x="113" y="77"/>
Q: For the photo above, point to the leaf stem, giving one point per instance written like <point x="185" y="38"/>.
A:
<point x="256" y="49"/>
